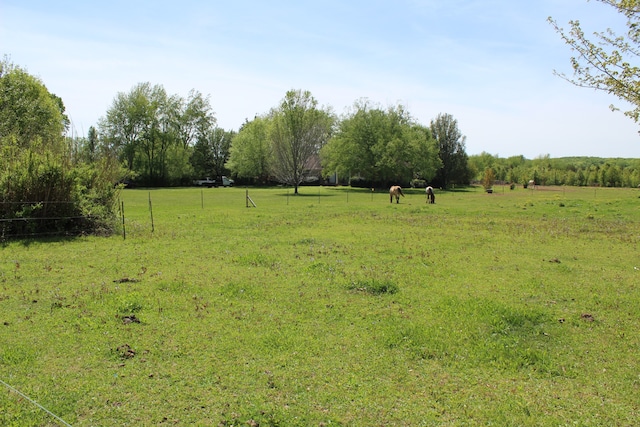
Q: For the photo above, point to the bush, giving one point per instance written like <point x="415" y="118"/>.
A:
<point x="42" y="194"/>
<point x="44" y="188"/>
<point x="488" y="179"/>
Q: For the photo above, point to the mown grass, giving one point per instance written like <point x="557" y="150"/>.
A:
<point x="333" y="307"/>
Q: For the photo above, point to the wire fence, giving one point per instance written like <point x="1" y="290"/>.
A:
<point x="20" y="220"/>
<point x="24" y="396"/>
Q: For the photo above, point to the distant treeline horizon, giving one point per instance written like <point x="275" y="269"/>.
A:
<point x="547" y="170"/>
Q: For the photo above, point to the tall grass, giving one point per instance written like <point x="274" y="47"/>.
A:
<point x="333" y="307"/>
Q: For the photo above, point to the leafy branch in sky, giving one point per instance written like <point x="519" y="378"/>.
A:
<point x="605" y="61"/>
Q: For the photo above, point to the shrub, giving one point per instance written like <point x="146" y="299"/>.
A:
<point x="41" y="193"/>
<point x="488" y="179"/>
<point x="44" y="189"/>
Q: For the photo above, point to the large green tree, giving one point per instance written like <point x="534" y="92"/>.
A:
<point x="154" y="133"/>
<point x="251" y="154"/>
<point x="299" y="130"/>
<point x="211" y="153"/>
<point x="158" y="136"/>
<point x="28" y="111"/>
<point x="381" y="146"/>
<point x="91" y="148"/>
<point x="605" y="60"/>
<point x="125" y="123"/>
<point x="195" y="118"/>
<point x="451" y="146"/>
<point x="352" y="150"/>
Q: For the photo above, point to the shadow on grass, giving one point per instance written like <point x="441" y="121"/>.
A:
<point x="27" y="241"/>
<point x="305" y="195"/>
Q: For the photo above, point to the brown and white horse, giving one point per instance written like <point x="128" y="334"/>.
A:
<point x="431" y="197"/>
<point x="395" y="191"/>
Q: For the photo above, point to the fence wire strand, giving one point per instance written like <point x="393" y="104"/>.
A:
<point x="36" y="403"/>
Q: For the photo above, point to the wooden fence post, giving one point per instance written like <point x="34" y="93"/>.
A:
<point x="124" y="231"/>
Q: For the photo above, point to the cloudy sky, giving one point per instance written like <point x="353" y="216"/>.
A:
<point x="489" y="63"/>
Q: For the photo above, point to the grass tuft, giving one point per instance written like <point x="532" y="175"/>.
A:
<point x="374" y="286"/>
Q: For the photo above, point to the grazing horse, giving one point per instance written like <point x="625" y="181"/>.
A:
<point x="431" y="197"/>
<point x="396" y="191"/>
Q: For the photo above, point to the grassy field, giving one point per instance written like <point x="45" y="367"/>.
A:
<point x="333" y="307"/>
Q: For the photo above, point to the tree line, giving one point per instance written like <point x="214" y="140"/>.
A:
<point x="169" y="140"/>
<point x="163" y="139"/>
<point x="544" y="170"/>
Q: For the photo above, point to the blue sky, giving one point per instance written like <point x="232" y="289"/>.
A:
<point x="488" y="63"/>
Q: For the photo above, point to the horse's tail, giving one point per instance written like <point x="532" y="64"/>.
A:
<point x="400" y="191"/>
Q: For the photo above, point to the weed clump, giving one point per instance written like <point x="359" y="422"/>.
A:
<point x="374" y="287"/>
<point x="130" y="304"/>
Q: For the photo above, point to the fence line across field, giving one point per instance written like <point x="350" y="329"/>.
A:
<point x="6" y="223"/>
<point x="121" y="212"/>
<point x="349" y="195"/>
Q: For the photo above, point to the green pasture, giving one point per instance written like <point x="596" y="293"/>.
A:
<point x="332" y="307"/>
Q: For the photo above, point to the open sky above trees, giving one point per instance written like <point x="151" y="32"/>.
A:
<point x="488" y="63"/>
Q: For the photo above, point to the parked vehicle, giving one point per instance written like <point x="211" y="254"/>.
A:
<point x="206" y="182"/>
<point x="227" y="182"/>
